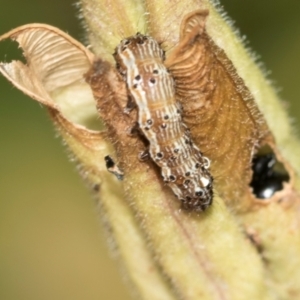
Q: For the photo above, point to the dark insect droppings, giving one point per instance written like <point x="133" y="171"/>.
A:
<point x="266" y="179"/>
<point x="109" y="162"/>
<point x="113" y="168"/>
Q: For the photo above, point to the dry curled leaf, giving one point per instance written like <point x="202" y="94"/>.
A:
<point x="53" y="73"/>
<point x="182" y="255"/>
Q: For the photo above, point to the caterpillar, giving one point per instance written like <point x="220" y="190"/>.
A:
<point x="140" y="61"/>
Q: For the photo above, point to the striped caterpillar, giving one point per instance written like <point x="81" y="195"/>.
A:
<point x="183" y="167"/>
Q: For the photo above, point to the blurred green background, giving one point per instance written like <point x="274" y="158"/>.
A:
<point x="51" y="242"/>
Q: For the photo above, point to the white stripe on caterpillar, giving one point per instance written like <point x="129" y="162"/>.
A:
<point x="183" y="167"/>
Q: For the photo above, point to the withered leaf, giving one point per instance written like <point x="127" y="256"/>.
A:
<point x="54" y="71"/>
<point x="217" y="107"/>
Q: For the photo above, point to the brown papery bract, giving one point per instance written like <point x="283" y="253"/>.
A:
<point x="218" y="108"/>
